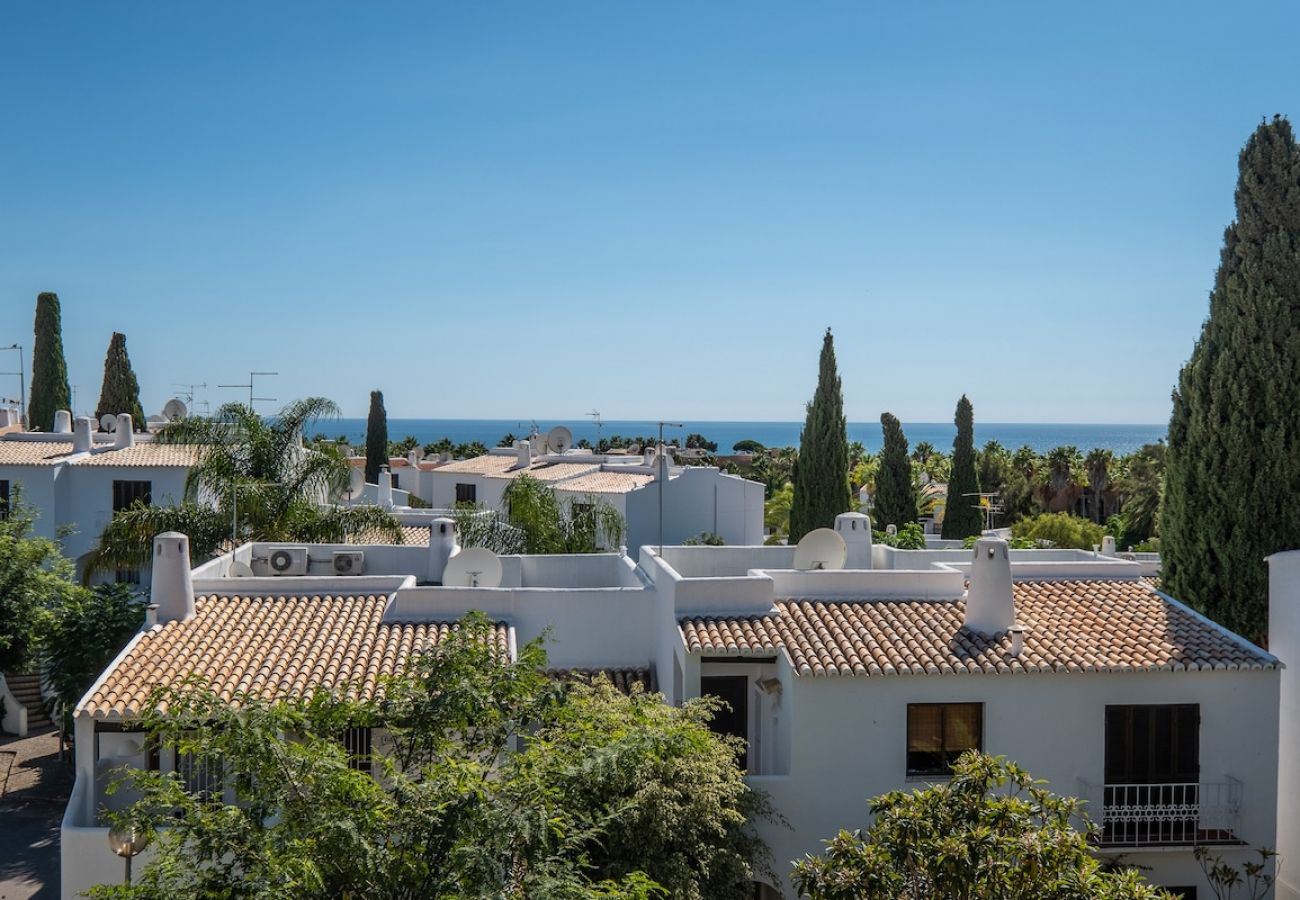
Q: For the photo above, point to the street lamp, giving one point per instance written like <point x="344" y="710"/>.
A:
<point x="127" y="842"/>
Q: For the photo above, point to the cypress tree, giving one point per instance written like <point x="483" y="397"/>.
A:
<point x="120" y="392"/>
<point x="821" y="474"/>
<point x="1234" y="436"/>
<point x="961" y="517"/>
<point x="895" y="500"/>
<point x="50" y="390"/>
<point x="376" y="437"/>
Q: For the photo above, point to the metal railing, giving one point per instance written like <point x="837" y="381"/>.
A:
<point x="1178" y="814"/>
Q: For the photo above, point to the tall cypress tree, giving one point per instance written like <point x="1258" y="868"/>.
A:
<point x="961" y="517"/>
<point x="1234" y="436"/>
<point x="376" y="437"/>
<point x="50" y="390"/>
<point x="821" y="474"/>
<point x="895" y="500"/>
<point x="120" y="392"/>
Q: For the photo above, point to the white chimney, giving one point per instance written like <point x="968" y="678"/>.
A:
<point x="990" y="605"/>
<point x="6" y="417"/>
<point x="855" y="528"/>
<point x="385" y="488"/>
<point x="442" y="544"/>
<point x="1108" y="545"/>
<point x="170" y="586"/>
<point x="125" y="435"/>
<point x="1017" y="640"/>
<point x="524" y="450"/>
<point x="663" y="463"/>
<point x="83" y="437"/>
<point x="413" y="459"/>
<point x="62" y="421"/>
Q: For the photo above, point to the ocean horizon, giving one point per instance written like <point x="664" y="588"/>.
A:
<point x="1120" y="439"/>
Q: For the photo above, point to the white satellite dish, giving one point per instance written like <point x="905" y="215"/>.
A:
<point x="475" y="567"/>
<point x="821" y="548"/>
<point x="356" y="483"/>
<point x="108" y="422"/>
<point x="174" y="409"/>
<point x="240" y="570"/>
<point x="559" y="439"/>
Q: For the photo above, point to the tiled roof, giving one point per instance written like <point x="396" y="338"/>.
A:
<point x="623" y="679"/>
<point x="271" y="647"/>
<point x="1073" y="626"/>
<point x="150" y="454"/>
<point x="606" y="482"/>
<point x="33" y="453"/>
<point x="550" y="471"/>
<point x="417" y="535"/>
<point x="1151" y="581"/>
<point x="481" y="465"/>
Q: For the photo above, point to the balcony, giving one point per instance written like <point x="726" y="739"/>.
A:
<point x="1186" y="814"/>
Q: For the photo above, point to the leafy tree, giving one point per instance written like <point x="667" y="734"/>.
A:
<point x="551" y="525"/>
<point x="776" y="512"/>
<point x="376" y="437"/>
<point x="1059" y="479"/>
<point x="1098" y="465"/>
<point x="894" y="501"/>
<point x="821" y="474"/>
<point x="50" y="391"/>
<point x="747" y="446"/>
<point x="700" y="442"/>
<point x="508" y="439"/>
<point x="120" y="392"/>
<point x="402" y="447"/>
<point x="35" y="580"/>
<point x="922" y="452"/>
<point x="254" y="476"/>
<point x="82" y="636"/>
<point x="1234" y="439"/>
<point x="1059" y="530"/>
<point x="992" y="831"/>
<point x="910" y="537"/>
<point x="962" y="516"/>
<point x="609" y="795"/>
<point x="1142" y="487"/>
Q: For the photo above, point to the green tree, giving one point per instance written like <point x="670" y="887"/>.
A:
<point x="376" y="437"/>
<point x="1142" y="487"/>
<point x="991" y="831"/>
<point x="895" y="499"/>
<point x="253" y="477"/>
<point x="1234" y="438"/>
<point x="1098" y="465"/>
<point x="82" y="636"/>
<point x="748" y="446"/>
<point x="962" y="516"/>
<point x="700" y="442"/>
<point x="120" y="392"/>
<point x="608" y="795"/>
<point x="50" y="391"/>
<point x="821" y="474"/>
<point x="35" y="580"/>
<point x="776" y="512"/>
<point x="551" y="525"/>
<point x="1059" y="529"/>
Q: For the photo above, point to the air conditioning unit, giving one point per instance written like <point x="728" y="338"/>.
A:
<point x="288" y="561"/>
<point x="349" y="562"/>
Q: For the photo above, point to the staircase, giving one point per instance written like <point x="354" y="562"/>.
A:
<point x="27" y="691"/>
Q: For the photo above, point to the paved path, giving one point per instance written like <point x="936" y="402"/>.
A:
<point x="30" y="811"/>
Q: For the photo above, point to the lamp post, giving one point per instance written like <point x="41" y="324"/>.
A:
<point x="127" y="842"/>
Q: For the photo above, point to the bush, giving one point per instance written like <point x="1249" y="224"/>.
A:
<point x="910" y="537"/>
<point x="1059" y="530"/>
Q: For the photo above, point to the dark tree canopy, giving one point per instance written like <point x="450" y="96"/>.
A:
<point x="50" y="391"/>
<point x="895" y="500"/>
<point x="1234" y="437"/>
<point x="821" y="474"/>
<point x="120" y="392"/>
<point x="961" y="517"/>
<point x="376" y="437"/>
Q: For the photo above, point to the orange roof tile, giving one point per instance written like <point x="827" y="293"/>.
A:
<point x="624" y="679"/>
<point x="1079" y="626"/>
<point x="33" y="453"/>
<point x="150" y="454"/>
<point x="482" y="465"/>
<point x="417" y="535"/>
<point x="606" y="482"/>
<point x="271" y="647"/>
<point x="550" y="471"/>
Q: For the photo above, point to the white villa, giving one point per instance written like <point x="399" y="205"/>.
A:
<point x="846" y="682"/>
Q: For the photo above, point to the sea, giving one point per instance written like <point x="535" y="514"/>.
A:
<point x="1120" y="439"/>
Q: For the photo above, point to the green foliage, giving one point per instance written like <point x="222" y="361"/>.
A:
<point x="1143" y="486"/>
<point x="257" y="468"/>
<point x="608" y="795"/>
<point x="776" y="513"/>
<point x="83" y="635"/>
<point x="821" y="473"/>
<point x="962" y="516"/>
<point x="35" y="580"/>
<point x="1059" y="530"/>
<point x="773" y="470"/>
<point x="376" y="437"/>
<point x="1234" y="438"/>
<point x="1253" y="876"/>
<point x="895" y="499"/>
<point x="402" y="447"/>
<point x="910" y="537"/>
<point x="1098" y="465"/>
<point x="705" y="539"/>
<point x="748" y="446"/>
<point x="700" y="442"/>
<point x="992" y="831"/>
<point x="50" y="391"/>
<point x="551" y="525"/>
<point x="120" y="391"/>
<point x="457" y="451"/>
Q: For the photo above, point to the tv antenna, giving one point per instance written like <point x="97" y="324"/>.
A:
<point x="252" y="376"/>
<point x="991" y="505"/>
<point x="595" y="420"/>
<point x="185" y="392"/>
<point x="662" y="484"/>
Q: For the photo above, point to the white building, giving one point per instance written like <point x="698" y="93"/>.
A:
<point x="1284" y="640"/>
<point x="846" y="683"/>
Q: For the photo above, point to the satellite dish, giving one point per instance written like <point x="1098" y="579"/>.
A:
<point x="821" y="548"/>
<point x="174" y="409"/>
<point x="108" y="422"/>
<point x="356" y="483"/>
<point x="559" y="439"/>
<point x="240" y="570"/>
<point x="475" y="567"/>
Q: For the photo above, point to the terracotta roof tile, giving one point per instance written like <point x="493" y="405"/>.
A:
<point x="550" y="471"/>
<point x="271" y="647"/>
<point x="1079" y="626"/>
<point x="417" y="535"/>
<point x="149" y="454"/>
<point x="623" y="679"/>
<point x="33" y="453"/>
<point x="606" y="482"/>
<point x="482" y="465"/>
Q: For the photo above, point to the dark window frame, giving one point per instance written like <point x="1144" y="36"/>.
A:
<point x="127" y="492"/>
<point x="4" y="498"/>
<point x="359" y="741"/>
<point x="466" y="493"/>
<point x="916" y="766"/>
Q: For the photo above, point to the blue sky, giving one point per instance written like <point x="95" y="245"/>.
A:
<point x="654" y="210"/>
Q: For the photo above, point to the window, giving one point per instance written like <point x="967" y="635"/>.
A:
<point x="1153" y="744"/>
<point x="201" y="775"/>
<point x="938" y="733"/>
<point x="397" y="481"/>
<point x="733" y="719"/>
<point x="126" y="493"/>
<point x="127" y="576"/>
<point x="358" y="743"/>
<point x="466" y="493"/>
<point x="4" y="498"/>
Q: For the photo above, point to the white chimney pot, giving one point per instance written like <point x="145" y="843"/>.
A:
<point x="990" y="604"/>
<point x="171" y="587"/>
<point x="442" y="546"/>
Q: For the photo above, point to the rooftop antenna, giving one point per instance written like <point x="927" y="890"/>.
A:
<point x="252" y="376"/>
<point x="185" y="391"/>
<point x="991" y="508"/>
<point x="22" y="380"/>
<point x="663" y="484"/>
<point x="595" y="420"/>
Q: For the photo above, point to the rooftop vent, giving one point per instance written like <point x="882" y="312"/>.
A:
<point x="990" y="605"/>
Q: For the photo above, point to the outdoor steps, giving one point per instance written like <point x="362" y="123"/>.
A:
<point x="27" y="691"/>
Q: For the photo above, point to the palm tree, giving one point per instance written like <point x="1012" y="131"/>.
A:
<point x="254" y="481"/>
<point x="1097" y="465"/>
<point x="1060" y="485"/>
<point x="922" y="452"/>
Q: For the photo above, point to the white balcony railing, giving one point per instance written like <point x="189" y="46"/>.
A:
<point x="1152" y="815"/>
